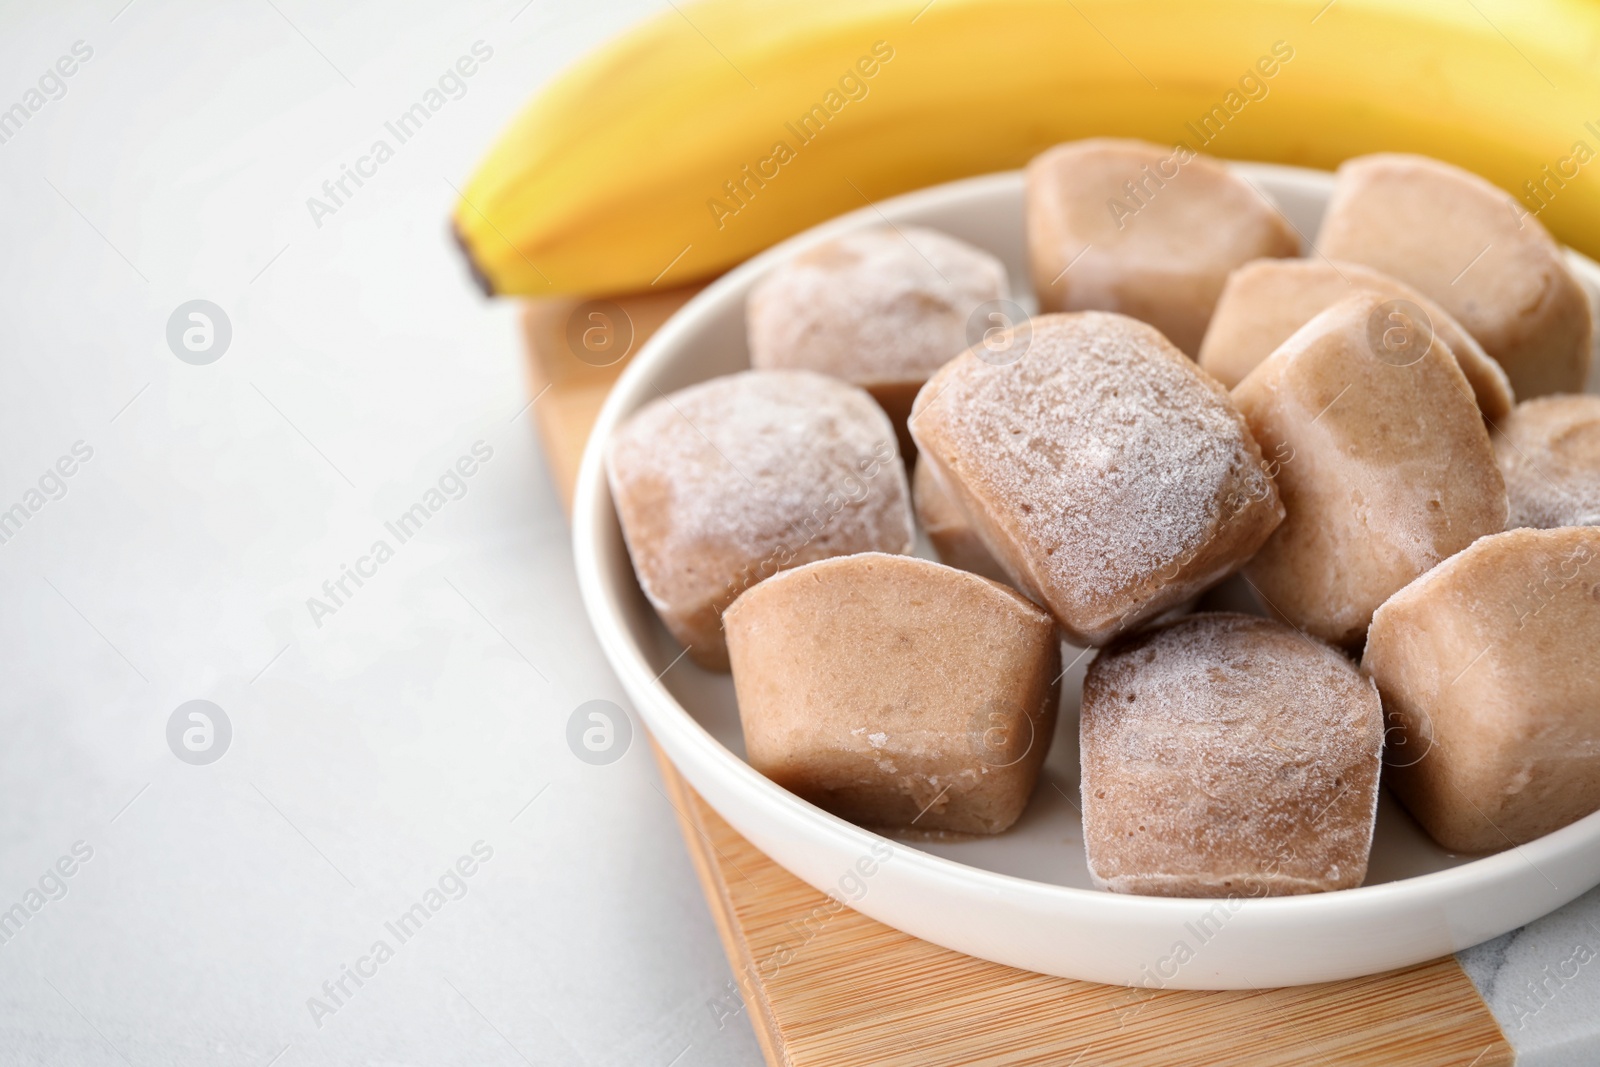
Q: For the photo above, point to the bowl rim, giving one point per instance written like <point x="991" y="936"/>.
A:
<point x="677" y="730"/>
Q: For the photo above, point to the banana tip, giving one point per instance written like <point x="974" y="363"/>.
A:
<point x="484" y="284"/>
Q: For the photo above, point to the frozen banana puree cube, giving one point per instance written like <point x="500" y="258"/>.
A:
<point x="723" y="484"/>
<point x="1549" y="453"/>
<point x="1228" y="755"/>
<point x="954" y="538"/>
<point x="1266" y="301"/>
<point x="1469" y="246"/>
<point x="1487" y="668"/>
<point x="1151" y="232"/>
<point x="882" y="308"/>
<point x="1109" y="475"/>
<point x="1384" y="464"/>
<point x="895" y="691"/>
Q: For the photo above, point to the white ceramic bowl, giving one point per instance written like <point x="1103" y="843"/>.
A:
<point x="1023" y="898"/>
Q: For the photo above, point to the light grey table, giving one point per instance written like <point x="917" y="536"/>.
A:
<point x="374" y="746"/>
<point x="394" y="767"/>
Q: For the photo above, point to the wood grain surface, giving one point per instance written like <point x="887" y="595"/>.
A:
<point x="825" y="986"/>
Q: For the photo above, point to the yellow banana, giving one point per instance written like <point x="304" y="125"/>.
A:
<point x="719" y="127"/>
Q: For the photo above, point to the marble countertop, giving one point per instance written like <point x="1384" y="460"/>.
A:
<point x="375" y="846"/>
<point x="1543" y="984"/>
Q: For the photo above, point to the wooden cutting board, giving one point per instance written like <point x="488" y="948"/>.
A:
<point x="847" y="991"/>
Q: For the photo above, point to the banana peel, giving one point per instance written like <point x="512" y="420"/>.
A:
<point x="718" y="128"/>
